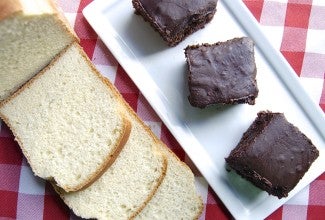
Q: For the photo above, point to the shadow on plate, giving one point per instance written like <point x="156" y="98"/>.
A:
<point x="244" y="189"/>
<point x="144" y="37"/>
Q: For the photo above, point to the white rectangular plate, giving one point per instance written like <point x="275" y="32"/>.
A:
<point x="208" y="135"/>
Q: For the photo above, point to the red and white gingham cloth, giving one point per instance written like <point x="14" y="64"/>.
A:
<point x="295" y="27"/>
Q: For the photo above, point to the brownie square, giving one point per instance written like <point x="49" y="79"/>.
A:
<point x="222" y="73"/>
<point x="273" y="154"/>
<point x="176" y="19"/>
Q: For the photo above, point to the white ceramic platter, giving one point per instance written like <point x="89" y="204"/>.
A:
<point x="208" y="135"/>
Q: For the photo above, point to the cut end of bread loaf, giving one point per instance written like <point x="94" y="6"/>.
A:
<point x="68" y="121"/>
<point x="33" y="32"/>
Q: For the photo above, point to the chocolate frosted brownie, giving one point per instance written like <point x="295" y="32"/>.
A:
<point x="273" y="154"/>
<point x="176" y="19"/>
<point x="222" y="73"/>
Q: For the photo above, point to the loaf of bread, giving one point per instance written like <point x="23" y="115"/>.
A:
<point x="32" y="33"/>
<point x="68" y="121"/>
<point x="176" y="197"/>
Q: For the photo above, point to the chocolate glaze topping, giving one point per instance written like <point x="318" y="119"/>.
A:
<point x="176" y="19"/>
<point x="223" y="73"/>
<point x="273" y="154"/>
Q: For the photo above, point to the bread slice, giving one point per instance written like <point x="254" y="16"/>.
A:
<point x="68" y="121"/>
<point x="176" y="197"/>
<point x="127" y="186"/>
<point x="33" y="32"/>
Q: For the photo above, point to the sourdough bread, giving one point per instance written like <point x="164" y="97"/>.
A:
<point x="33" y="32"/>
<point x="68" y="121"/>
<point x="176" y="197"/>
<point x="127" y="186"/>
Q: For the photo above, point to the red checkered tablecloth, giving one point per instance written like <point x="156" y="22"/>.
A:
<point x="295" y="27"/>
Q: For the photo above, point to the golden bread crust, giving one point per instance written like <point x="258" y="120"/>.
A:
<point x="9" y="8"/>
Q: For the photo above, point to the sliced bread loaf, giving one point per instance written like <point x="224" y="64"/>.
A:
<point x="176" y="197"/>
<point x="127" y="186"/>
<point x="33" y="32"/>
<point x="68" y="121"/>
